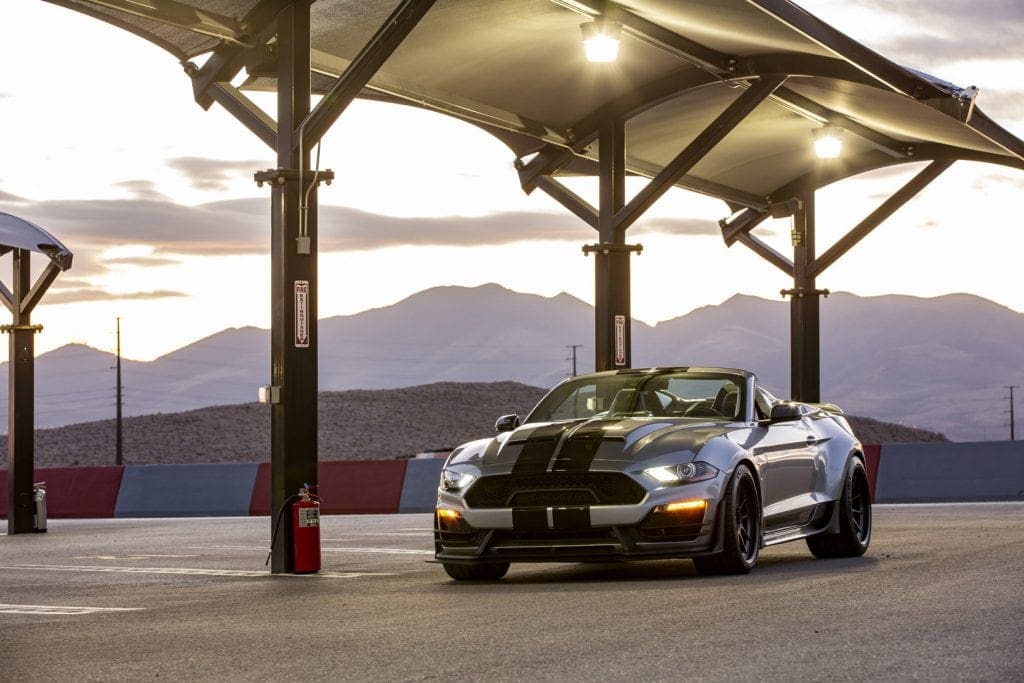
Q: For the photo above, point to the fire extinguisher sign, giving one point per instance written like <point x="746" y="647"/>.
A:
<point x="620" y="340"/>
<point x="302" y="314"/>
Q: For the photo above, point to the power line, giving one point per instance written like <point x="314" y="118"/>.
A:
<point x="573" y="356"/>
<point x="119" y="454"/>
<point x="1011" y="388"/>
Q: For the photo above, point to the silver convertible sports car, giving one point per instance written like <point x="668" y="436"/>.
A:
<point x="701" y="463"/>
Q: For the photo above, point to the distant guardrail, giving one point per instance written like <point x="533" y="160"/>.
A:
<point x="899" y="473"/>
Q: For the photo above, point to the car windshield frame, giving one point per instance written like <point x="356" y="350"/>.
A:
<point x="619" y="395"/>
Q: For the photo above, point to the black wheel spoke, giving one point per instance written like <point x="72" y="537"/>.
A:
<point x="746" y="527"/>
<point x="859" y="510"/>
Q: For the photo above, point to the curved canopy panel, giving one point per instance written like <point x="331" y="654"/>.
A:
<point x="517" y="68"/>
<point x="17" y="233"/>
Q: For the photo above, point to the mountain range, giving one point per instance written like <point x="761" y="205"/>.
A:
<point x="940" y="363"/>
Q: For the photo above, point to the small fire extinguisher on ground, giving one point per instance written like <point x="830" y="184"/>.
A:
<point x="306" y="532"/>
<point x="305" y="521"/>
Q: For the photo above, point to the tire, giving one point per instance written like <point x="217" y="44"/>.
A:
<point x="741" y="528"/>
<point x="488" y="571"/>
<point x="854" y="533"/>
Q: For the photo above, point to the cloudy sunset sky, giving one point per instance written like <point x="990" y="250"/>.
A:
<point x="104" y="147"/>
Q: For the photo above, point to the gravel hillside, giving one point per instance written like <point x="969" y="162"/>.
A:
<point x="354" y="425"/>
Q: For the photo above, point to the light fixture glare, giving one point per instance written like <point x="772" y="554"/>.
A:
<point x="828" y="141"/>
<point x="601" y="40"/>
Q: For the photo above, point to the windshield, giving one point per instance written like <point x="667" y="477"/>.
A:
<point x="668" y="394"/>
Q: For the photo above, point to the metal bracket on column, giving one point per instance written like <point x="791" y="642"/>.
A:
<point x="737" y="228"/>
<point x="305" y="180"/>
<point x="741" y="223"/>
<point x="8" y="329"/>
<point x="211" y="82"/>
<point x="280" y="176"/>
<point x="606" y="248"/>
<point x="801" y="292"/>
<point x="546" y="162"/>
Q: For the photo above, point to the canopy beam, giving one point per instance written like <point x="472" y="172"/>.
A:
<point x="887" y="208"/>
<point x="369" y="60"/>
<point x="570" y="200"/>
<point x="691" y="155"/>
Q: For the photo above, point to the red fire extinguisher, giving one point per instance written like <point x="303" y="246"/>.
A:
<point x="306" y="532"/>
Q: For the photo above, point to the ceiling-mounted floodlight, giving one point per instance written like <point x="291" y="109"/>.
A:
<point x="828" y="141"/>
<point x="601" y="40"/>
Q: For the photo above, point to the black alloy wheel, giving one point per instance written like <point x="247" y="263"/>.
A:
<point x="860" y="510"/>
<point x="747" y="521"/>
<point x="741" y="528"/>
<point x="854" y="533"/>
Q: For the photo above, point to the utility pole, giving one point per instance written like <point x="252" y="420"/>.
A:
<point x="1011" y="388"/>
<point x="573" y="356"/>
<point x="119" y="457"/>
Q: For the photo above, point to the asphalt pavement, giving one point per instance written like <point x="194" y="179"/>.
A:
<point x="940" y="596"/>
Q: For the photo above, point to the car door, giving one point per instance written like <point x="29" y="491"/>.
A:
<point x="789" y="454"/>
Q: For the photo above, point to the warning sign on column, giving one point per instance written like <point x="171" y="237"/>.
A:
<point x="302" y="314"/>
<point x="620" y="340"/>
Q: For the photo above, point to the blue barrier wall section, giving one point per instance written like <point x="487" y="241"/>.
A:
<point x="419" y="490"/>
<point x="186" y="490"/>
<point x="927" y="472"/>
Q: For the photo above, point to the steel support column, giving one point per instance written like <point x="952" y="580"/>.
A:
<point x="612" y="321"/>
<point x="804" y="335"/>
<point x="293" y="346"/>
<point x="21" y="403"/>
<point x="293" y="252"/>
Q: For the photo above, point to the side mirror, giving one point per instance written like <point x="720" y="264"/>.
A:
<point x="506" y="423"/>
<point x="785" y="412"/>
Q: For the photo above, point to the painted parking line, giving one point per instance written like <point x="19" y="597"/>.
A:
<point x="62" y="609"/>
<point x="411" y="534"/>
<point x="379" y="551"/>
<point x="187" y="571"/>
<point x="128" y="557"/>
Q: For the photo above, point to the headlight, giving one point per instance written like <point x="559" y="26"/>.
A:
<point x="687" y="473"/>
<point x="455" y="481"/>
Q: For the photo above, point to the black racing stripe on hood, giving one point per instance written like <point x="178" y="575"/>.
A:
<point x="580" y="449"/>
<point x="538" y="448"/>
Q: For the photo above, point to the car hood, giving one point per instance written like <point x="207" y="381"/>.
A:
<point x="581" y="445"/>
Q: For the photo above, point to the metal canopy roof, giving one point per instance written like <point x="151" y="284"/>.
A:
<point x="18" y="233"/>
<point x="718" y="96"/>
<point x="517" y="68"/>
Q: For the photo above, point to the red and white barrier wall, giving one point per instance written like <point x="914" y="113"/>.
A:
<point x="899" y="473"/>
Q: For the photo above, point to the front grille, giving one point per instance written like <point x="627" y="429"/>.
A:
<point x="551" y="489"/>
<point x="551" y="498"/>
